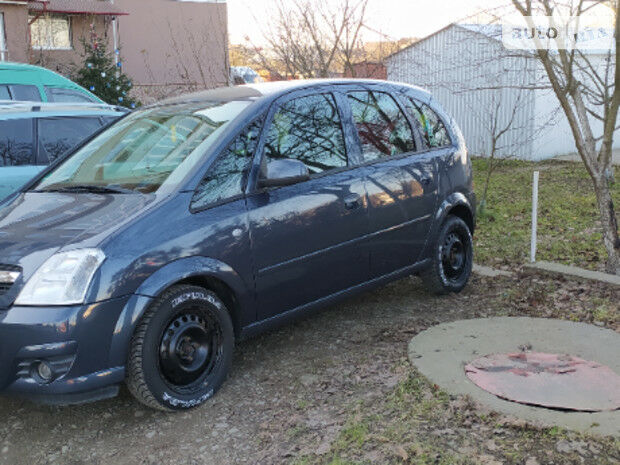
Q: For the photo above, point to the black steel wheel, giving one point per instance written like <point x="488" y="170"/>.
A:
<point x="191" y="346"/>
<point x="181" y="351"/>
<point x="451" y="259"/>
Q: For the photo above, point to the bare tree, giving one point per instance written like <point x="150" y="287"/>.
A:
<point x="189" y="62"/>
<point x="312" y="38"/>
<point x="587" y="92"/>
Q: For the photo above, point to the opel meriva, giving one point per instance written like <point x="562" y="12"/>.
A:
<point x="143" y="254"/>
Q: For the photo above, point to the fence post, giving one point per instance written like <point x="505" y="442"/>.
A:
<point x="534" y="217"/>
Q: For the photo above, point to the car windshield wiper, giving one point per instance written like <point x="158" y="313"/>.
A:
<point x="88" y="188"/>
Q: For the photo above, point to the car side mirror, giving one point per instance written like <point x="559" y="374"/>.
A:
<point x="283" y="172"/>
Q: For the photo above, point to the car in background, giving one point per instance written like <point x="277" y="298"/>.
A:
<point x="23" y="82"/>
<point x="34" y="134"/>
<point x="244" y="75"/>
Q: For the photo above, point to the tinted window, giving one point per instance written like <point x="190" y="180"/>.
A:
<point x="58" y="135"/>
<point x="16" y="146"/>
<point x="24" y="92"/>
<point x="4" y="93"/>
<point x="382" y="127"/>
<point x="55" y="94"/>
<point x="225" y="179"/>
<point x="431" y="126"/>
<point x="308" y="129"/>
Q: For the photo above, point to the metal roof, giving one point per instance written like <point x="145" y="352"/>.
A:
<point x="493" y="32"/>
<point x="76" y="7"/>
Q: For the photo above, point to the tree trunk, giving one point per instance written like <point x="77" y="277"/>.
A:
<point x="609" y="223"/>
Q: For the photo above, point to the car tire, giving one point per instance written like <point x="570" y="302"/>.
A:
<point x="181" y="351"/>
<point x="451" y="258"/>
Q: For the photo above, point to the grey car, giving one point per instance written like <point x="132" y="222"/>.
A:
<point x="143" y="255"/>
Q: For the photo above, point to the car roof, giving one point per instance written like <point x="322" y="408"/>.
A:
<point x="9" y="65"/>
<point x="44" y="76"/>
<point x="11" y="108"/>
<point x="273" y="90"/>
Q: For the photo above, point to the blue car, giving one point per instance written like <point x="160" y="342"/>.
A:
<point x="145" y="254"/>
<point x="33" y="135"/>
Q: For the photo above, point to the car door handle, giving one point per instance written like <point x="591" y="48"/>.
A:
<point x="352" y="201"/>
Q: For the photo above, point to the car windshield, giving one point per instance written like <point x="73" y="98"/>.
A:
<point x="149" y="150"/>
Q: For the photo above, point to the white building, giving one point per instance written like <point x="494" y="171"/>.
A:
<point x="488" y="88"/>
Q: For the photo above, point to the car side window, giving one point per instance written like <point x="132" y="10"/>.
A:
<point x="308" y="129"/>
<point x="433" y="129"/>
<point x="382" y="127"/>
<point x="60" y="134"/>
<point x="16" y="146"/>
<point x="57" y="94"/>
<point x="25" y="92"/>
<point x="226" y="177"/>
<point x="4" y="93"/>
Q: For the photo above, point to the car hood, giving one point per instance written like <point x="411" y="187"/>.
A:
<point x="36" y="225"/>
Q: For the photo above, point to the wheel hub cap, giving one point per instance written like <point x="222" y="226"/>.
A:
<point x="186" y="349"/>
<point x="453" y="256"/>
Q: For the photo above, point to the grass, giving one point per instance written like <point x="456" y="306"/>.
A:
<point x="569" y="231"/>
<point x="419" y="424"/>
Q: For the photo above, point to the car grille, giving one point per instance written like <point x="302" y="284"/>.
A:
<point x="5" y="285"/>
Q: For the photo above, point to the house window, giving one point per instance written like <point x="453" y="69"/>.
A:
<point x="51" y="32"/>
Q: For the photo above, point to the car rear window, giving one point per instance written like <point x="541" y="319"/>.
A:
<point x="382" y="127"/>
<point x="16" y="147"/>
<point x="57" y="94"/>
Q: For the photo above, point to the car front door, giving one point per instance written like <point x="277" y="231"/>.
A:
<point x="306" y="236"/>
<point x="400" y="182"/>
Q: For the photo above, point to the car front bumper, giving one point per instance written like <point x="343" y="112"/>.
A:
<point x="75" y="343"/>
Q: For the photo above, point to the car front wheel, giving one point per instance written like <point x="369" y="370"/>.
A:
<point x="451" y="259"/>
<point x="181" y="351"/>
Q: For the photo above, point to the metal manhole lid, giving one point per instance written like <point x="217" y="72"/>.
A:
<point x="547" y="380"/>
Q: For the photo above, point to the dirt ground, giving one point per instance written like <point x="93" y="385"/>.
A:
<point x="297" y="395"/>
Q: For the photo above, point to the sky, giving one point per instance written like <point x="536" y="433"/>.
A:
<point x="395" y="18"/>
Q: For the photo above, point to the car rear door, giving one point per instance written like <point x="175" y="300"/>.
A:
<point x="57" y="135"/>
<point x="306" y="237"/>
<point x="401" y="183"/>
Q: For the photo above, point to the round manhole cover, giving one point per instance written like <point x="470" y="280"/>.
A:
<point x="547" y="380"/>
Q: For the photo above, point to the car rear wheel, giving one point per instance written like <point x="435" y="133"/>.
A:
<point x="181" y="351"/>
<point x="452" y="258"/>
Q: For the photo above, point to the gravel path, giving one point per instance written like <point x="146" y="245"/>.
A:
<point x="288" y="393"/>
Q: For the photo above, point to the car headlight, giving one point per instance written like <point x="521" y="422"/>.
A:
<point x="63" y="279"/>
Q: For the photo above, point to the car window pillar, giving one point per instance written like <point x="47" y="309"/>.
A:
<point x="420" y="142"/>
<point x="351" y="137"/>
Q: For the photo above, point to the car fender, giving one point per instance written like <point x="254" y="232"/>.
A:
<point x="453" y="200"/>
<point x="162" y="279"/>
